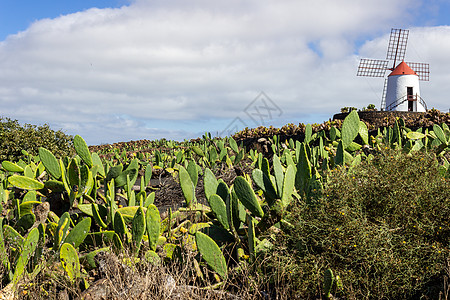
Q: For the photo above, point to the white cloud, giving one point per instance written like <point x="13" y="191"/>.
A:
<point x="189" y="67"/>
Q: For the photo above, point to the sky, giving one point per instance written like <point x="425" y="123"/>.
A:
<point x="121" y="70"/>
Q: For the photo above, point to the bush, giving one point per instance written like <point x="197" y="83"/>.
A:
<point x="383" y="227"/>
<point x="14" y="138"/>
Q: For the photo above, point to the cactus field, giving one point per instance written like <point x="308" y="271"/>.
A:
<point x="340" y="210"/>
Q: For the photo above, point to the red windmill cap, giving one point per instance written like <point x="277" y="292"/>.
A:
<point x="403" y="69"/>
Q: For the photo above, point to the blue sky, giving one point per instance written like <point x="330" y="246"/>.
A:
<point x="123" y="70"/>
<point x="17" y="15"/>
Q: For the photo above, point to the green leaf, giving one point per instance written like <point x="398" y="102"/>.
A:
<point x="219" y="209"/>
<point x="29" y="246"/>
<point x="50" y="162"/>
<point x="193" y="172"/>
<point x="98" y="219"/>
<point x="211" y="254"/>
<point x="363" y="132"/>
<point x="153" y="226"/>
<point x="414" y="135"/>
<point x="265" y="184"/>
<point x="308" y="133"/>
<point x="70" y="261"/>
<point x="198" y="151"/>
<point x="210" y="183"/>
<point x="233" y="145"/>
<point x="440" y="134"/>
<point x="288" y="185"/>
<point x="350" y="128"/>
<point x="26" y="183"/>
<point x="186" y="186"/>
<point x="247" y="196"/>
<point x="82" y="150"/>
<point x="11" y="167"/>
<point x="73" y="174"/>
<point x="304" y="171"/>
<point x="279" y="174"/>
<point x="138" y="228"/>
<point x="96" y="161"/>
<point x="77" y="235"/>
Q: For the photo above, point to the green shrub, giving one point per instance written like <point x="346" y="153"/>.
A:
<point x="14" y="138"/>
<point x="383" y="227"/>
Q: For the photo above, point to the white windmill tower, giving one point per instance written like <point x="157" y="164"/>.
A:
<point x="401" y="87"/>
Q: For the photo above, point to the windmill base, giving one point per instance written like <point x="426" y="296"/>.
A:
<point x="379" y="118"/>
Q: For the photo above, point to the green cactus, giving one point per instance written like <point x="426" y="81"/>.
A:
<point x="440" y="134"/>
<point x="247" y="196"/>
<point x="70" y="261"/>
<point x="233" y="145"/>
<point x="328" y="281"/>
<point x="150" y="199"/>
<point x="50" y="163"/>
<point x="153" y="226"/>
<point x="414" y="135"/>
<point x="122" y="180"/>
<point x="138" y="229"/>
<point x="197" y="150"/>
<point x="82" y="150"/>
<point x="25" y="222"/>
<point x="350" y="128"/>
<point x="193" y="172"/>
<point x="251" y="238"/>
<point x="61" y="230"/>
<point x="265" y="184"/>
<point x="3" y="255"/>
<point x="114" y="172"/>
<point x="219" y="209"/>
<point x="119" y="225"/>
<point x="340" y="155"/>
<point x="96" y="161"/>
<point x="12" y="167"/>
<point x="187" y="186"/>
<point x="304" y="171"/>
<point x="77" y="235"/>
<point x="308" y="133"/>
<point x="12" y="238"/>
<point x="288" y="185"/>
<point x="363" y="132"/>
<point x="97" y="217"/>
<point x="26" y="183"/>
<point x="211" y="254"/>
<point x="29" y="246"/>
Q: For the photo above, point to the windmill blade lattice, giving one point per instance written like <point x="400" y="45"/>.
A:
<point x="372" y="67"/>
<point x="422" y="70"/>
<point x="397" y="44"/>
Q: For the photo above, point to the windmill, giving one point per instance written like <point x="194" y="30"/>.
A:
<point x="401" y="87"/>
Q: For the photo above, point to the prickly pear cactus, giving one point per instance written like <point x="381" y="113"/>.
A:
<point x="138" y="229"/>
<point x="119" y="225"/>
<point x="26" y="183"/>
<point x="70" y="261"/>
<point x="12" y="167"/>
<point x="211" y="254"/>
<point x="29" y="246"/>
<point x="77" y="235"/>
<point x="187" y="186"/>
<point x="247" y="196"/>
<point x="328" y="280"/>
<point x="350" y="128"/>
<point x="50" y="163"/>
<point x="219" y="209"/>
<point x="153" y="225"/>
<point x="210" y="183"/>
<point x="82" y="150"/>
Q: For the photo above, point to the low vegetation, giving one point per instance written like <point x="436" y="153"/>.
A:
<point x="337" y="213"/>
